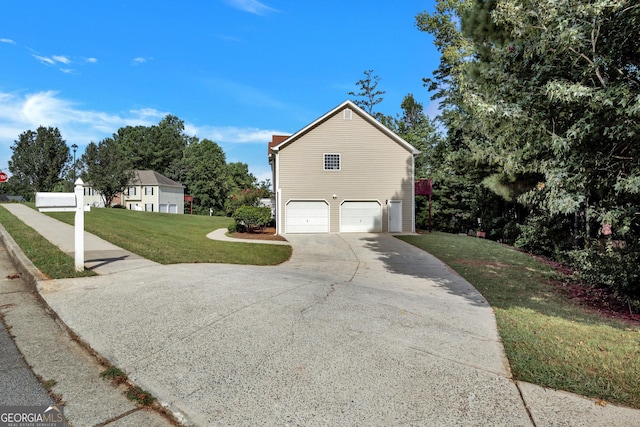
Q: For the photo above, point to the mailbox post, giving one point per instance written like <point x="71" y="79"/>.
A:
<point x="68" y="202"/>
<point x="79" y="225"/>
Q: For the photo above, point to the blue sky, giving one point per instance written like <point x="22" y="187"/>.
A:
<point x="236" y="71"/>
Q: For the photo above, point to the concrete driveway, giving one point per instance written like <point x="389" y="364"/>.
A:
<point x="356" y="329"/>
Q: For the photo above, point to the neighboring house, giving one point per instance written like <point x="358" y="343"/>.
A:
<point x="92" y="197"/>
<point x="345" y="172"/>
<point x="153" y="192"/>
<point x="148" y="191"/>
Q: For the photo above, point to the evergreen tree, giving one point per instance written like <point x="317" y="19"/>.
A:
<point x="369" y="96"/>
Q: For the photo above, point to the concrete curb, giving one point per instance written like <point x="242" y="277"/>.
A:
<point x="221" y="234"/>
<point x="29" y="271"/>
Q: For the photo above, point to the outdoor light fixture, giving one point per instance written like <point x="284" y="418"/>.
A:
<point x="75" y="147"/>
<point x="335" y="196"/>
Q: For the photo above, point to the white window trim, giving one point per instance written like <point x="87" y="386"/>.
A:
<point x="324" y="162"/>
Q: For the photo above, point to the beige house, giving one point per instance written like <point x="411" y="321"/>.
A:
<point x="152" y="192"/>
<point x="92" y="197"/>
<point x="345" y="172"/>
<point x="148" y="191"/>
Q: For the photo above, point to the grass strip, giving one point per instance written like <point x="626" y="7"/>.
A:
<point x="549" y="339"/>
<point x="46" y="256"/>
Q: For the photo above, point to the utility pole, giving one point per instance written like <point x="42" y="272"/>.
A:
<point x="75" y="147"/>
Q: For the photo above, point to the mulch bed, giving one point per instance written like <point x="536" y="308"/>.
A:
<point x="268" y="233"/>
<point x="599" y="299"/>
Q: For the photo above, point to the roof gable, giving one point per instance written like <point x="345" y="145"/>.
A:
<point x="277" y="144"/>
<point x="149" y="177"/>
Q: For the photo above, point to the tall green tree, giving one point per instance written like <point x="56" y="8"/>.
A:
<point x="239" y="177"/>
<point x="40" y="159"/>
<point x="369" y="95"/>
<point x="206" y="176"/>
<point x="415" y="127"/>
<point x="545" y="95"/>
<point x="158" y="147"/>
<point x="106" y="169"/>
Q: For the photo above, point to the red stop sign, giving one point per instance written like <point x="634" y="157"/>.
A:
<point x="3" y="177"/>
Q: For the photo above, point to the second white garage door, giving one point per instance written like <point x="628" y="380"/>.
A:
<point x="308" y="216"/>
<point x="360" y="217"/>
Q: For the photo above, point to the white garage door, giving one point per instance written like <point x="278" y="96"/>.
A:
<point x="173" y="208"/>
<point x="307" y="217"/>
<point x="360" y="217"/>
<point x="163" y="208"/>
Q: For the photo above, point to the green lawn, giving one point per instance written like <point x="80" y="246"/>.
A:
<point x="173" y="239"/>
<point x="548" y="339"/>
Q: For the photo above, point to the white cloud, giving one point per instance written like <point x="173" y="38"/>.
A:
<point x="233" y="135"/>
<point x="61" y="59"/>
<point x="45" y="59"/>
<point x="27" y="111"/>
<point x="140" y="60"/>
<point x="92" y="60"/>
<point x="251" y="6"/>
<point x="7" y="41"/>
<point x="54" y="60"/>
<point x="21" y="112"/>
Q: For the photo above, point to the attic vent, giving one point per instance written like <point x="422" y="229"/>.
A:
<point x="347" y="114"/>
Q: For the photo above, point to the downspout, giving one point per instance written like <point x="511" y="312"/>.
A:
<point x="276" y="188"/>
<point x="413" y="193"/>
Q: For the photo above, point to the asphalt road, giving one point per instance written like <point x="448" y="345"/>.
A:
<point x="19" y="385"/>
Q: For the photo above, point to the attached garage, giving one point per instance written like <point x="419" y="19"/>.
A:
<point x="360" y="217"/>
<point x="307" y="216"/>
<point x="168" y="208"/>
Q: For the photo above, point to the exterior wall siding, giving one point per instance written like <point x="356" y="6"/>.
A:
<point x="372" y="167"/>
<point x="171" y="196"/>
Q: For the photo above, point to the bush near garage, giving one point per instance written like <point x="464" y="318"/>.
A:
<point x="251" y="218"/>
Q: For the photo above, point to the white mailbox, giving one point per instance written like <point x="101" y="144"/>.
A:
<point x="55" y="202"/>
<point x="68" y="202"/>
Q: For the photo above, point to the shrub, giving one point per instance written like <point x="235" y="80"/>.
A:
<point x="609" y="263"/>
<point x="246" y="197"/>
<point x="504" y="229"/>
<point x="252" y="217"/>
<point x="543" y="234"/>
